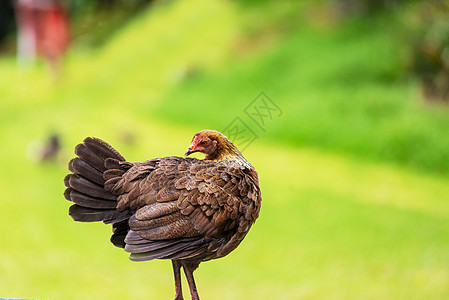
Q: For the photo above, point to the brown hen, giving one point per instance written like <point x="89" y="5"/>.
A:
<point x="177" y="208"/>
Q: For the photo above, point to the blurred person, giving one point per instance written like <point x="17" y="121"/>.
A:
<point x="44" y="30"/>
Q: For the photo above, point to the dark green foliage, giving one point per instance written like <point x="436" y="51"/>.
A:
<point x="7" y="19"/>
<point x="365" y="7"/>
<point x="430" y="47"/>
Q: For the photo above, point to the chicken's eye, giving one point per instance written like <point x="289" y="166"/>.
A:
<point x="203" y="143"/>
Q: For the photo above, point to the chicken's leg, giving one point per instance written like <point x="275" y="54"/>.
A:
<point x="188" y="270"/>
<point x="178" y="284"/>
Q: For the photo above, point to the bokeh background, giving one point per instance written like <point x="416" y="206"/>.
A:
<point x="350" y="139"/>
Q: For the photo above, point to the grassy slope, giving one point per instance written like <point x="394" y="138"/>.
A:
<point x="331" y="227"/>
<point x="340" y="87"/>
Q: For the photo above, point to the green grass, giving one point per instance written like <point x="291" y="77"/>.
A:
<point x="330" y="227"/>
<point x="341" y="87"/>
<point x="333" y="225"/>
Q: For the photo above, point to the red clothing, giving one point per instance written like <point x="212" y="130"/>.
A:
<point x="53" y="32"/>
<point x="48" y="23"/>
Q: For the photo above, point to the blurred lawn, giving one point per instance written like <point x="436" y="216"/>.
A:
<point x="331" y="227"/>
<point x="342" y="86"/>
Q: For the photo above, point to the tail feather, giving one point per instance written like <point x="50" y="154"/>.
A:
<point x="109" y="185"/>
<point x="120" y="230"/>
<point x="112" y="173"/>
<point x="112" y="163"/>
<point x="88" y="201"/>
<point x="79" y="166"/>
<point x="102" y="149"/>
<point x="115" y="170"/>
<point x="86" y="186"/>
<point x="84" y="214"/>
<point x="91" y="158"/>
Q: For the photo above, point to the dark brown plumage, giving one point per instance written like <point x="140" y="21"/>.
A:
<point x="177" y="208"/>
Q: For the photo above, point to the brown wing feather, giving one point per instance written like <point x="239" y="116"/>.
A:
<point x="175" y="198"/>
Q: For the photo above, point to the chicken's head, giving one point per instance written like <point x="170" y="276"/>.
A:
<point x="215" y="145"/>
<point x="207" y="142"/>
